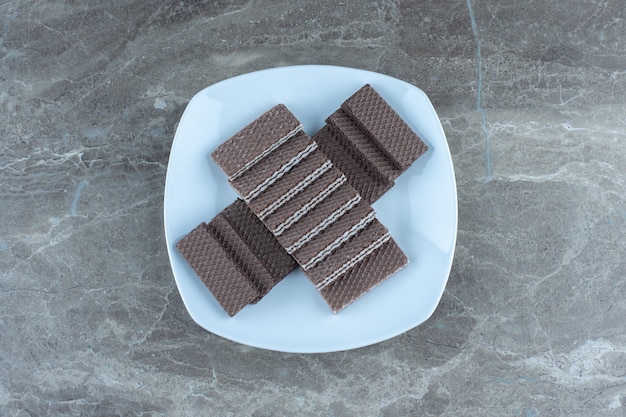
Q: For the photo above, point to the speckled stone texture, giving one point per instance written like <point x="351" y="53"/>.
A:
<point x="531" y="96"/>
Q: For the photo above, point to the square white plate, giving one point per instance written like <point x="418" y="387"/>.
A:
<point x="420" y="211"/>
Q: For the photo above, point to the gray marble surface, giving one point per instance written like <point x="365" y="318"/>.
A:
<point x="532" y="97"/>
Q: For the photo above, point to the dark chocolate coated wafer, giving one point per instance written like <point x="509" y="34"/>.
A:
<point x="384" y="126"/>
<point x="276" y="122"/>
<point x="217" y="269"/>
<point x="369" y="142"/>
<point x="366" y="150"/>
<point x="236" y="257"/>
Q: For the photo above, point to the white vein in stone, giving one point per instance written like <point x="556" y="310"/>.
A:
<point x="479" y="96"/>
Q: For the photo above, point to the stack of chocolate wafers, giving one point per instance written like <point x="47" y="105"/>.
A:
<point x="305" y="202"/>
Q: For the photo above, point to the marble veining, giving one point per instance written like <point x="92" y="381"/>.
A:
<point x="479" y="90"/>
<point x="531" y="96"/>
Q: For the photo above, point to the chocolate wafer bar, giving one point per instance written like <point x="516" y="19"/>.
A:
<point x="385" y="128"/>
<point x="211" y="262"/>
<point x="369" y="142"/>
<point x="332" y="229"/>
<point x="236" y="257"/>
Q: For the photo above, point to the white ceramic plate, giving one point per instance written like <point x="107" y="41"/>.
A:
<point x="420" y="211"/>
